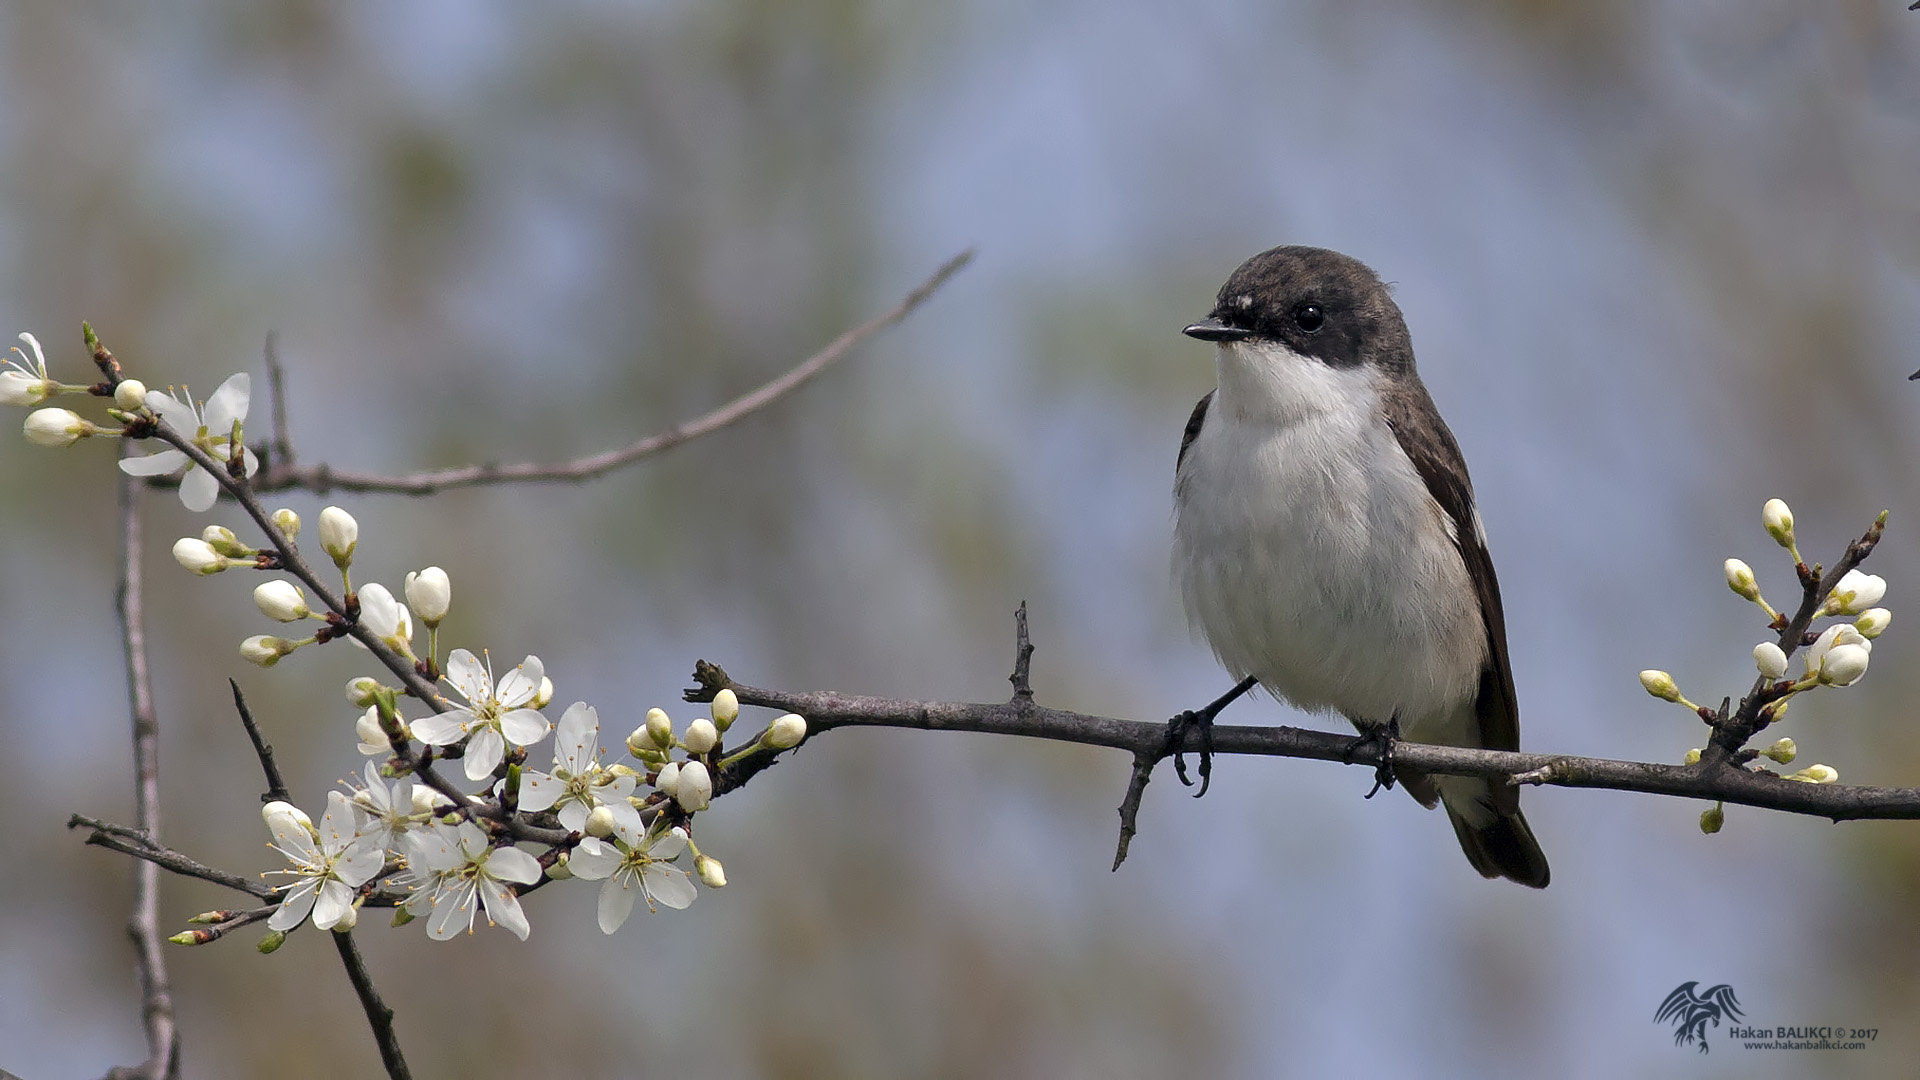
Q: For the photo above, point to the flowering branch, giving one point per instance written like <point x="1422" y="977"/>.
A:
<point x="282" y="473"/>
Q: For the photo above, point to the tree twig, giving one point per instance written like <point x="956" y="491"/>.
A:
<point x="134" y="842"/>
<point x="323" y="478"/>
<point x="379" y="1013"/>
<point x="143" y="925"/>
<point x="276" y="787"/>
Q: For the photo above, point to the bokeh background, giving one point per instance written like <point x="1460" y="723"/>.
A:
<point x="1659" y="260"/>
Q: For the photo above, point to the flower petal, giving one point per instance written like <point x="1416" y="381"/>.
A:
<point x="518" y="686"/>
<point x="442" y="728"/>
<point x="616" y="901"/>
<point x="669" y="886"/>
<point x="228" y="403"/>
<point x="484" y="752"/>
<point x="332" y="905"/>
<point x="593" y="859"/>
<point x="199" y="490"/>
<point x="293" y="910"/>
<point x="452" y="912"/>
<point x="503" y="907"/>
<point x="512" y="864"/>
<point x="363" y="860"/>
<point x="576" y="741"/>
<point x="159" y="464"/>
<point x="668" y="846"/>
<point x="524" y="727"/>
<point x="178" y="414"/>
<point x="573" y="816"/>
<point x="469" y="676"/>
<point x="538" y="792"/>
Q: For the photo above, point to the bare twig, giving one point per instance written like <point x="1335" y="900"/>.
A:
<point x="143" y="926"/>
<point x="323" y="478"/>
<point x="280" y="439"/>
<point x="233" y="920"/>
<point x="379" y="1013"/>
<point x="134" y="842"/>
<point x="276" y="787"/>
<point x="1022" y="657"/>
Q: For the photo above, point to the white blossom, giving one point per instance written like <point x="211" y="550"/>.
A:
<point x="1873" y="622"/>
<point x="1844" y="665"/>
<point x="387" y="807"/>
<point x="579" y="783"/>
<point x="667" y="780"/>
<point x="329" y="871"/>
<point x="458" y="865"/>
<point x="265" y="649"/>
<point x="492" y="718"/>
<point x="198" y="556"/>
<point x="24" y="381"/>
<point x="725" y="708"/>
<point x="634" y="864"/>
<point x="1837" y="634"/>
<point x="701" y="736"/>
<point x="210" y="427"/>
<point x="386" y="617"/>
<point x="373" y="738"/>
<point x="1778" y="521"/>
<point x="1740" y="580"/>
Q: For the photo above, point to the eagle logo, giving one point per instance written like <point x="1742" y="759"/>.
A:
<point x="1690" y="1011"/>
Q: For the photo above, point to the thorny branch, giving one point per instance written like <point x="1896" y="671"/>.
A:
<point x="282" y="473"/>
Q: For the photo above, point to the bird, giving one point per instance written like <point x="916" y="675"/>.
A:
<point x="1326" y="542"/>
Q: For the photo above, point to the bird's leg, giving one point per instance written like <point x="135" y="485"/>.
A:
<point x="1376" y="744"/>
<point x="1178" y="727"/>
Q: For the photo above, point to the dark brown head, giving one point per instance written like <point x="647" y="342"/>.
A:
<point x="1315" y="302"/>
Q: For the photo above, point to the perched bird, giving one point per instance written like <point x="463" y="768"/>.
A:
<point x="1326" y="541"/>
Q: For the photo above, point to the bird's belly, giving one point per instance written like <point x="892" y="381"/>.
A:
<point x="1316" y="561"/>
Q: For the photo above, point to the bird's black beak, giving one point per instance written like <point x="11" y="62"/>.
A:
<point x="1211" y="329"/>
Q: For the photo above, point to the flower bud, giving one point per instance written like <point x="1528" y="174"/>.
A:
<point x="1769" y="658"/>
<point x="695" y="788"/>
<point x="1660" y="685"/>
<point x="57" y="427"/>
<point x="660" y="728"/>
<point x="1693" y="756"/>
<point x="348" y="918"/>
<point x="1855" y="593"/>
<point x="1740" y="580"/>
<point x="221" y="539"/>
<point x="1782" y="751"/>
<point x="273" y="940"/>
<point x="363" y="691"/>
<point x="600" y="822"/>
<point x="726" y="708"/>
<point x="265" y="649"/>
<point x="543" y="696"/>
<point x="401" y="916"/>
<point x="1844" y="665"/>
<point x="712" y="874"/>
<point x="1712" y="818"/>
<point x="788" y="730"/>
<point x="1816" y="774"/>
<point x="560" y="871"/>
<point x="373" y="737"/>
<point x="428" y="593"/>
<point x="639" y="742"/>
<point x="667" y="780"/>
<point x="339" y="535"/>
<point x="426" y="800"/>
<point x="282" y="808"/>
<point x="199" y="556"/>
<point x="130" y="395"/>
<point x="700" y="736"/>
<point x="1873" y="622"/>
<point x="280" y="601"/>
<point x="287" y="522"/>
<point x="1778" y="521"/>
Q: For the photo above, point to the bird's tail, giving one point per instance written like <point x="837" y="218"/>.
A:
<point x="1491" y="829"/>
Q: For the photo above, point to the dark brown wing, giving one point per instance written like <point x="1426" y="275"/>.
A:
<point x="1194" y="422"/>
<point x="1426" y="440"/>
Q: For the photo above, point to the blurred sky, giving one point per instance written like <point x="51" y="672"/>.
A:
<point x="1659" y="261"/>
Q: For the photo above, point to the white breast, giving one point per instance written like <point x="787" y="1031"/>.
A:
<point x="1309" y="552"/>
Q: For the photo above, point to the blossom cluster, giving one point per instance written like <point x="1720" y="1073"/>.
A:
<point x="406" y="836"/>
<point x="1835" y="657"/>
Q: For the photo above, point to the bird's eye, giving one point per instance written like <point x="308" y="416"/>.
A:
<point x="1309" y="318"/>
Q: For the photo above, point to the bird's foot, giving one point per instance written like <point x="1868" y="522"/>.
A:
<point x="1376" y="745"/>
<point x="1200" y="720"/>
